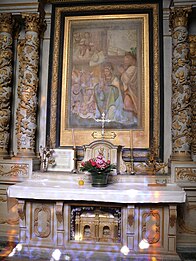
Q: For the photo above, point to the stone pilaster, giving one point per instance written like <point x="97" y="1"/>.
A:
<point x="192" y="43"/>
<point x="181" y="89"/>
<point x="27" y="86"/>
<point x="6" y="71"/>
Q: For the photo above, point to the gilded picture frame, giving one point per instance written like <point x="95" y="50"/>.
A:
<point x="67" y="130"/>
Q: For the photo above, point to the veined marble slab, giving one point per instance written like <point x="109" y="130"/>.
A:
<point x="117" y="192"/>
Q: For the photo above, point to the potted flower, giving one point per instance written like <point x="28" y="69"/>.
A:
<point x="99" y="169"/>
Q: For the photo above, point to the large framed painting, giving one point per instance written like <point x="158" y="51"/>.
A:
<point x="105" y="64"/>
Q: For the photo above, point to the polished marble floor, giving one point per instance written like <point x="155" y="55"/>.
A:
<point x="185" y="254"/>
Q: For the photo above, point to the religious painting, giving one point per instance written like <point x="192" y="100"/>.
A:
<point x="105" y="72"/>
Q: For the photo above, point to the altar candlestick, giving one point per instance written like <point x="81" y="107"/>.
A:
<point x="73" y="139"/>
<point x="131" y="153"/>
<point x="131" y="143"/>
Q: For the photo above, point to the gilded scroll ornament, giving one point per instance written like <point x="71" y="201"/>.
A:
<point x="16" y="170"/>
<point x="186" y="174"/>
<point x="6" y="57"/>
<point x="181" y="96"/>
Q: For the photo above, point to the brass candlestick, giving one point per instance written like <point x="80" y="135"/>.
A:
<point x="75" y="170"/>
<point x="132" y="171"/>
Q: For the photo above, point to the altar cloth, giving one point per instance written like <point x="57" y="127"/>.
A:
<point x="116" y="193"/>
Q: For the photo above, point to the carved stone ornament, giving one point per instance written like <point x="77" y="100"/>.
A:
<point x="179" y="17"/>
<point x="186" y="174"/>
<point x="181" y="96"/>
<point x="131" y="217"/>
<point x="27" y="86"/>
<point x="192" y="44"/>
<point x="6" y="57"/>
<point x="59" y="211"/>
<point x="42" y="221"/>
<point x="151" y="222"/>
<point x="14" y="170"/>
<point x="21" y="213"/>
<point x="172" y="217"/>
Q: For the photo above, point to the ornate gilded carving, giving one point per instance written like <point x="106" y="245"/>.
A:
<point x="42" y="221"/>
<point x="179" y="17"/>
<point x="186" y="174"/>
<point x="181" y="96"/>
<point x="27" y="86"/>
<point x="59" y="211"/>
<point x="6" y="57"/>
<point x="6" y="23"/>
<point x="151" y="226"/>
<point x="192" y="44"/>
<point x="16" y="170"/>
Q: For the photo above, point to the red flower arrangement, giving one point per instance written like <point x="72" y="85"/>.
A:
<point x="98" y="165"/>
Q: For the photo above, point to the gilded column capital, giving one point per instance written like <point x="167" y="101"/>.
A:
<point x="32" y="22"/>
<point x="6" y="23"/>
<point x="179" y="17"/>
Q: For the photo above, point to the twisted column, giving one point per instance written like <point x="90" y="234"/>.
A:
<point x="181" y="90"/>
<point x="27" y="86"/>
<point x="192" y="43"/>
<point x="6" y="71"/>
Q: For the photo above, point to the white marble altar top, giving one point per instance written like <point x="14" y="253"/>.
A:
<point x="116" y="193"/>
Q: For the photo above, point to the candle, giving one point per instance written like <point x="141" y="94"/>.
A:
<point x="73" y="139"/>
<point x="131" y="143"/>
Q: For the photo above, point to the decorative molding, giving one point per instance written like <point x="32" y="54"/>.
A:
<point x="151" y="221"/>
<point x="59" y="211"/>
<point x="42" y="228"/>
<point x="21" y="206"/>
<point x="6" y="58"/>
<point x="131" y="217"/>
<point x="181" y="96"/>
<point x="192" y="44"/>
<point x="27" y="86"/>
<point x="14" y="170"/>
<point x="172" y="217"/>
<point x="186" y="174"/>
<point x="185" y="228"/>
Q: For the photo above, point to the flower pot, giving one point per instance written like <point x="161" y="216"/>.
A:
<point x="99" y="179"/>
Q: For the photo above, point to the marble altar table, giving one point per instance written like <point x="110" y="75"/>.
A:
<point x="65" y="215"/>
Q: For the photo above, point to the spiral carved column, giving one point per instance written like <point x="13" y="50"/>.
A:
<point x="28" y="85"/>
<point x="181" y="89"/>
<point x="6" y="58"/>
<point x="192" y="42"/>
